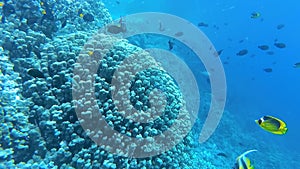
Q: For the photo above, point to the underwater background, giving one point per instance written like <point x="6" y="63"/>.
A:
<point x="41" y="42"/>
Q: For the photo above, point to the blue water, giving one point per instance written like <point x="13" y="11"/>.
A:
<point x="271" y="93"/>
<point x="38" y="104"/>
<point x="251" y="91"/>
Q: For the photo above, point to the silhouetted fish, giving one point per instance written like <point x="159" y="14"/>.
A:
<point x="270" y="53"/>
<point x="115" y="29"/>
<point x="220" y="52"/>
<point x="202" y="24"/>
<point x="171" y="44"/>
<point x="280" y="26"/>
<point x="268" y="70"/>
<point x="263" y="47"/>
<point x="35" y="73"/>
<point x="241" y="41"/>
<point x="88" y="17"/>
<point x="64" y="23"/>
<point x="280" y="45"/>
<point x="222" y="154"/>
<point x="297" y="65"/>
<point x="178" y="34"/>
<point x="242" y="52"/>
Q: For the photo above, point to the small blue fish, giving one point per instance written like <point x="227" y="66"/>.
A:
<point x="243" y="162"/>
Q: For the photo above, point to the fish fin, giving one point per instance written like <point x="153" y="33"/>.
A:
<point x="248" y="162"/>
<point x="283" y="130"/>
<point x="242" y="157"/>
<point x="247" y="152"/>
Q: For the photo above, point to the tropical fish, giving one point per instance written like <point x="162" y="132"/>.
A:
<point x="280" y="45"/>
<point x="242" y="52"/>
<point x="35" y="73"/>
<point x="263" y="47"/>
<point x="64" y="23"/>
<point x="272" y="125"/>
<point x="218" y="53"/>
<point x="241" y="41"/>
<point x="115" y="29"/>
<point x="202" y="24"/>
<point x="243" y="162"/>
<point x="280" y="26"/>
<point x="171" y="44"/>
<point x="270" y="53"/>
<point x="80" y="13"/>
<point x="297" y="65"/>
<point x="255" y="15"/>
<point x="268" y="70"/>
<point x="178" y="34"/>
<point x="86" y="17"/>
<point x="222" y="154"/>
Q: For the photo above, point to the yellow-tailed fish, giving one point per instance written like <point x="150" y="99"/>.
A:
<point x="80" y="13"/>
<point x="243" y="162"/>
<point x="272" y="125"/>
